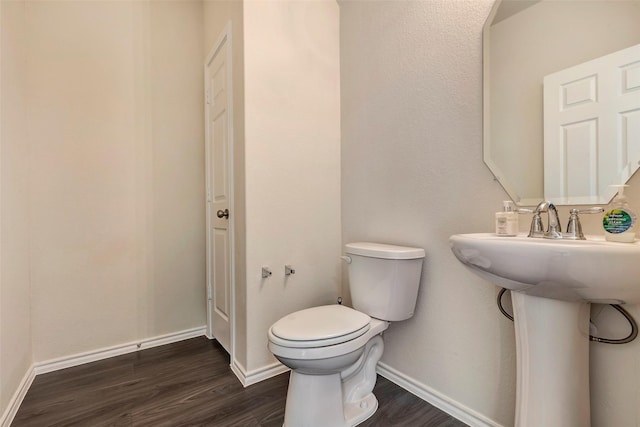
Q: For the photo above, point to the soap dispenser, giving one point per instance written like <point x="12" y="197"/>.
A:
<point x="619" y="220"/>
<point x="507" y="220"/>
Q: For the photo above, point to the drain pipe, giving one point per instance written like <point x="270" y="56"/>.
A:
<point x="625" y="313"/>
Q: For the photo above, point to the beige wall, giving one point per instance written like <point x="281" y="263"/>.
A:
<point x="117" y="172"/>
<point x="15" y="321"/>
<point x="102" y="178"/>
<point x="412" y="174"/>
<point x="116" y="175"/>
<point x="177" y="289"/>
<point x="116" y="181"/>
<point x="286" y="148"/>
<point x="412" y="145"/>
<point x="292" y="162"/>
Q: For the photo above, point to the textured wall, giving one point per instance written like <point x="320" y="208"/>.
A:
<point x="412" y="174"/>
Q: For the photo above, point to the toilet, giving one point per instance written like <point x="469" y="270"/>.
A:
<point x="333" y="350"/>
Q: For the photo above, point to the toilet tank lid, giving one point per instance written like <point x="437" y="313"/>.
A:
<point x="381" y="250"/>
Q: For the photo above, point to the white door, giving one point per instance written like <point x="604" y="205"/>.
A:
<point x="592" y="128"/>
<point x="219" y="140"/>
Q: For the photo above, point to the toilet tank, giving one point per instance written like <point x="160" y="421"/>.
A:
<point x="384" y="279"/>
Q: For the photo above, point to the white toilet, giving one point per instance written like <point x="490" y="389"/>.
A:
<point x="333" y="350"/>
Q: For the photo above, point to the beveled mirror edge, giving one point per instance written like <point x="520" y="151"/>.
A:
<point x="499" y="177"/>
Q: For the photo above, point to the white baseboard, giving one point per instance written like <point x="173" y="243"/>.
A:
<point x="17" y="398"/>
<point x="435" y="398"/>
<point x="257" y="375"/>
<point x="116" y="350"/>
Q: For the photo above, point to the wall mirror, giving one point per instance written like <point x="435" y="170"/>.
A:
<point x="525" y="41"/>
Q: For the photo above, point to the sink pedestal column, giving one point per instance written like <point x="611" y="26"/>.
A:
<point x="552" y="347"/>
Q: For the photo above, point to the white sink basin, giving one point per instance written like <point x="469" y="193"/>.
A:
<point x="554" y="282"/>
<point x="591" y="270"/>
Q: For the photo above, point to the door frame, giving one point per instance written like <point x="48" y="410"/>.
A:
<point x="224" y="37"/>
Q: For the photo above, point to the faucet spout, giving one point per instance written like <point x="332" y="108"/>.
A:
<point x="554" y="230"/>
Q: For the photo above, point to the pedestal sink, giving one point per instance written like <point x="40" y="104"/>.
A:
<point x="554" y="282"/>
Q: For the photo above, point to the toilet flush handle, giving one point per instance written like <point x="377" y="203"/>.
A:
<point x="346" y="258"/>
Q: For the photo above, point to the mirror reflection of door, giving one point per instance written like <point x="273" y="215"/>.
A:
<point x="592" y="128"/>
<point x="524" y="41"/>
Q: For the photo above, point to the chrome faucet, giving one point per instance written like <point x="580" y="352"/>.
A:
<point x="554" y="230"/>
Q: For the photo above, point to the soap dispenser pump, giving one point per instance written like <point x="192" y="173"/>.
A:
<point x="619" y="220"/>
<point x="507" y="220"/>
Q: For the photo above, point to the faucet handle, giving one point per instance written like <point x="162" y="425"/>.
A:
<point x="536" y="225"/>
<point x="592" y="210"/>
<point x="574" y="227"/>
<point x="536" y="221"/>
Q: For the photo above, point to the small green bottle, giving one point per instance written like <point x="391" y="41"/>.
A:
<point x="619" y="220"/>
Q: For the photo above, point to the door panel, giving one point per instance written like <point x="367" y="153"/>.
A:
<point x="591" y="128"/>
<point x="219" y="196"/>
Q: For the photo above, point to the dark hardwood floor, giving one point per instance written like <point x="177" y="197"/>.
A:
<point x="188" y="383"/>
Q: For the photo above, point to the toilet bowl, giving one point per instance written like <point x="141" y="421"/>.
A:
<point x="332" y="353"/>
<point x="333" y="350"/>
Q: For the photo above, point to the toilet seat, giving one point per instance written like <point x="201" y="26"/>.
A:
<point x="319" y="327"/>
<point x="291" y="349"/>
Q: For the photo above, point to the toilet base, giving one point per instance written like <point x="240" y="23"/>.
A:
<point x="313" y="401"/>
<point x="356" y="413"/>
<point x="341" y="399"/>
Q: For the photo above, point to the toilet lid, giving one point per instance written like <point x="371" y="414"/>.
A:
<point x="319" y="326"/>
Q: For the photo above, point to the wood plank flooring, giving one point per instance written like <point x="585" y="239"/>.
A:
<point x="188" y="383"/>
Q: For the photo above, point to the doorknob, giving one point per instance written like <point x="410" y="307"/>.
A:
<point x="223" y="213"/>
